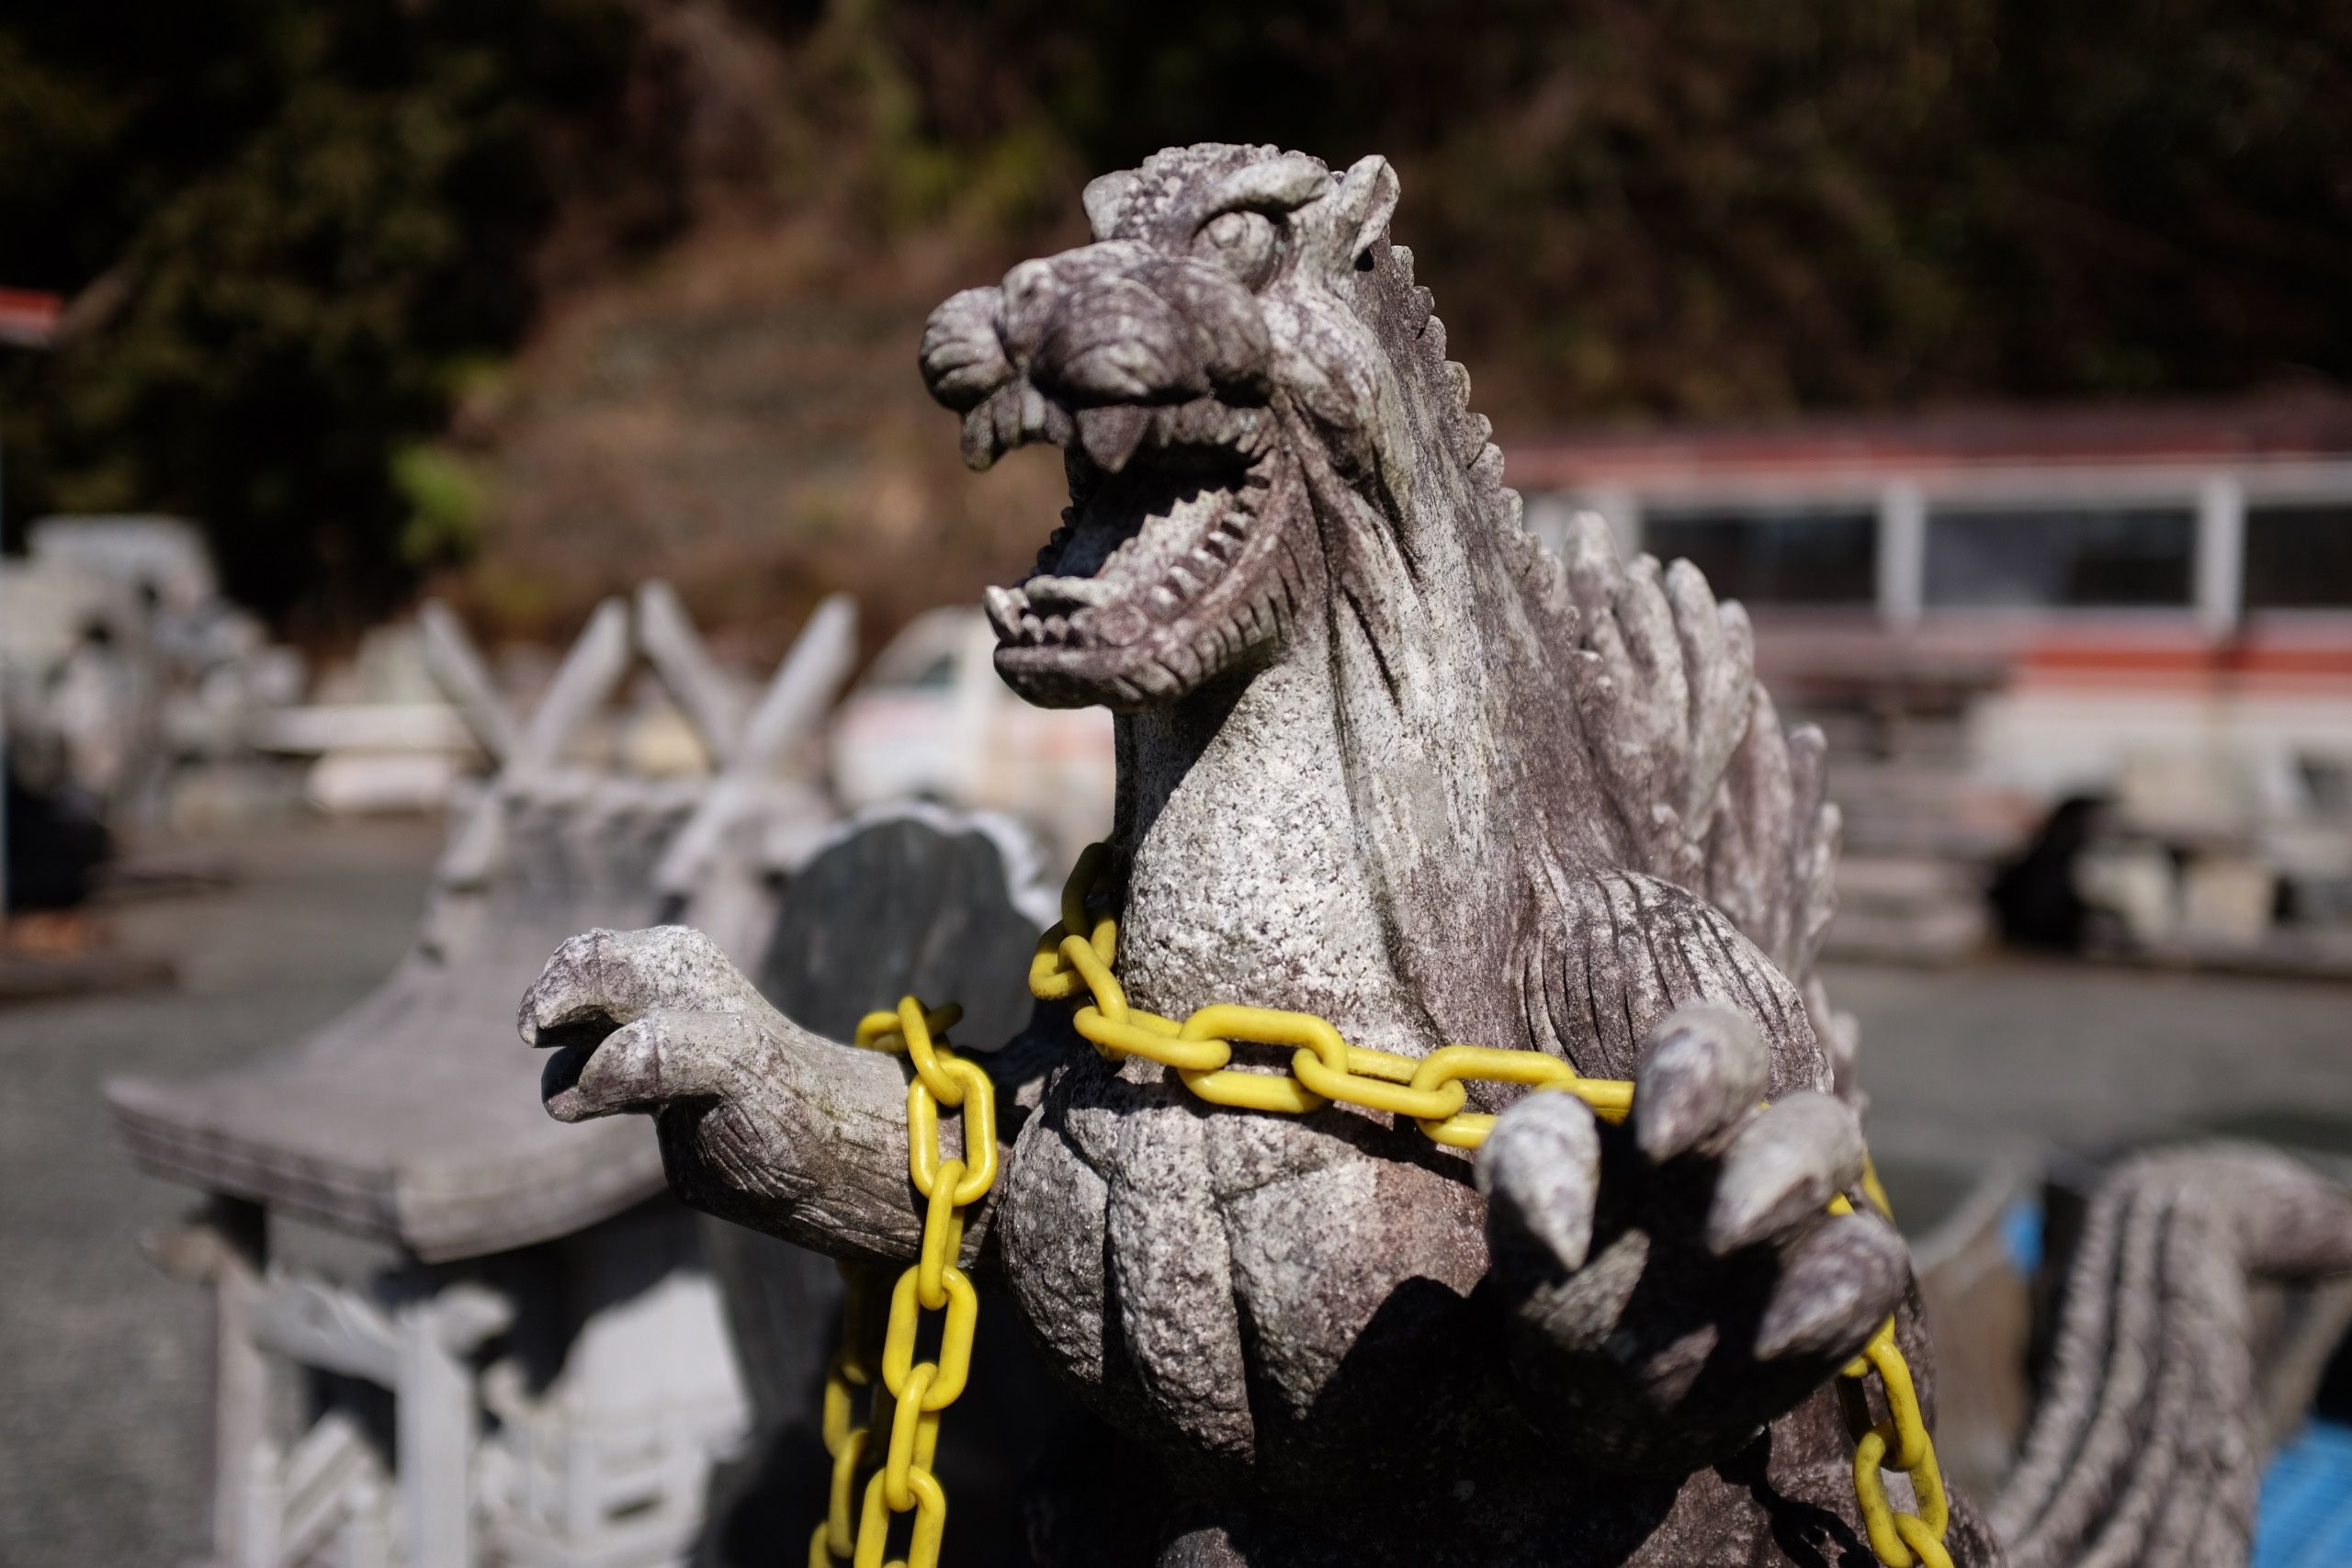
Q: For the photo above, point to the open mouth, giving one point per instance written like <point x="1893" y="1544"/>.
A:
<point x="1155" y="577"/>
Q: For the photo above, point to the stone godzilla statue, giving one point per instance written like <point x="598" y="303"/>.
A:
<point x="1383" y="758"/>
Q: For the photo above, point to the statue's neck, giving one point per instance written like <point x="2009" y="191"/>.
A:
<point x="1327" y="835"/>
<point x="1247" y="879"/>
<point x="1360" y="829"/>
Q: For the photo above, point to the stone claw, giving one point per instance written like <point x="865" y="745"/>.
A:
<point x="1781" y="1170"/>
<point x="1540" y="1169"/>
<point x="633" y="1020"/>
<point x="661" y="1058"/>
<point x="602" y="980"/>
<point x="1837" y="1286"/>
<point x="1704" y="1073"/>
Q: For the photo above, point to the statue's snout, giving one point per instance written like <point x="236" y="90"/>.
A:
<point x="1112" y="322"/>
<point x="1116" y="339"/>
<point x="963" y="358"/>
<point x="1104" y="324"/>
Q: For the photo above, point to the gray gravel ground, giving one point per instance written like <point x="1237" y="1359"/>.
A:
<point x="102" y="1393"/>
<point x="102" y="1372"/>
<point x="2038" y="1052"/>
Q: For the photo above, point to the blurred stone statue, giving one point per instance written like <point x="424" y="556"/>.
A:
<point x="446" y="1332"/>
<point x="1384" y="760"/>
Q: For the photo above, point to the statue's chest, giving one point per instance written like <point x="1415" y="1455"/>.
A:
<point x="1272" y="911"/>
<point x="1201" y="1268"/>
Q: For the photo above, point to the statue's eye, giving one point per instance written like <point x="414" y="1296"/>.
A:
<point x="1247" y="242"/>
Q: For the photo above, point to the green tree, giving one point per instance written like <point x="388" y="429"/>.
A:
<point x="291" y="226"/>
<point x="295" y="226"/>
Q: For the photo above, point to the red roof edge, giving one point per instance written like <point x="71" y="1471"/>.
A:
<point x="29" y="317"/>
<point x="2305" y="423"/>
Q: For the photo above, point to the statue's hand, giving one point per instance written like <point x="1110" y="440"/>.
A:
<point x="1676" y="1284"/>
<point x="761" y="1121"/>
<point x="638" y="1019"/>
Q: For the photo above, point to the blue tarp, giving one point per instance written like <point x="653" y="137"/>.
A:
<point x="2306" y="1516"/>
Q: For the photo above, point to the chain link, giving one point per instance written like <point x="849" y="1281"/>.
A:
<point x="910" y="1394"/>
<point x="847" y="1374"/>
<point x="1899" y="1443"/>
<point x="1073" y="963"/>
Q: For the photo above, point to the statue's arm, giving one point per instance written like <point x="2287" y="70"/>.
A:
<point x="761" y="1120"/>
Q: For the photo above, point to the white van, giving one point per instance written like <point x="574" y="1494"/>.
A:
<point x="931" y="721"/>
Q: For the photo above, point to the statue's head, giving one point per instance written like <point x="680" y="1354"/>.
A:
<point x="1215" y="325"/>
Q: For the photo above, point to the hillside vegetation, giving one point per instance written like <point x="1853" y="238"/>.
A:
<point x="535" y="297"/>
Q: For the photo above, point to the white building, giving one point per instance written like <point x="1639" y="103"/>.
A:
<point x="2087" y="583"/>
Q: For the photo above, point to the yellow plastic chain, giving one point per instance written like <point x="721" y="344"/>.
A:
<point x="912" y="1392"/>
<point x="1900" y="1442"/>
<point x="1324" y="1067"/>
<point x="1074" y="959"/>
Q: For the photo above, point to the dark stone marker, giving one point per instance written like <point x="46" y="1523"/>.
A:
<point x="921" y="904"/>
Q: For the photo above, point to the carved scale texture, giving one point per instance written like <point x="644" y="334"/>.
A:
<point x="1715" y="795"/>
<point x="2147" y="1451"/>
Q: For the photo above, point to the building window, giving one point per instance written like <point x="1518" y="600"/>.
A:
<point x="1793" y="555"/>
<point x="2059" y="557"/>
<point x="2299" y="557"/>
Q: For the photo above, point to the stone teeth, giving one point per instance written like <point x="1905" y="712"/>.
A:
<point x="1212" y="422"/>
<point x="1003" y="606"/>
<point x="1115" y="624"/>
<point x="1051" y="592"/>
<point x="1032" y="627"/>
<point x="1127" y="554"/>
<point x="979" y="439"/>
<point x="1055" y="425"/>
<point x="1013" y="416"/>
<point x="1057" y="629"/>
<point x="1164" y="597"/>
<point x="1110" y="435"/>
